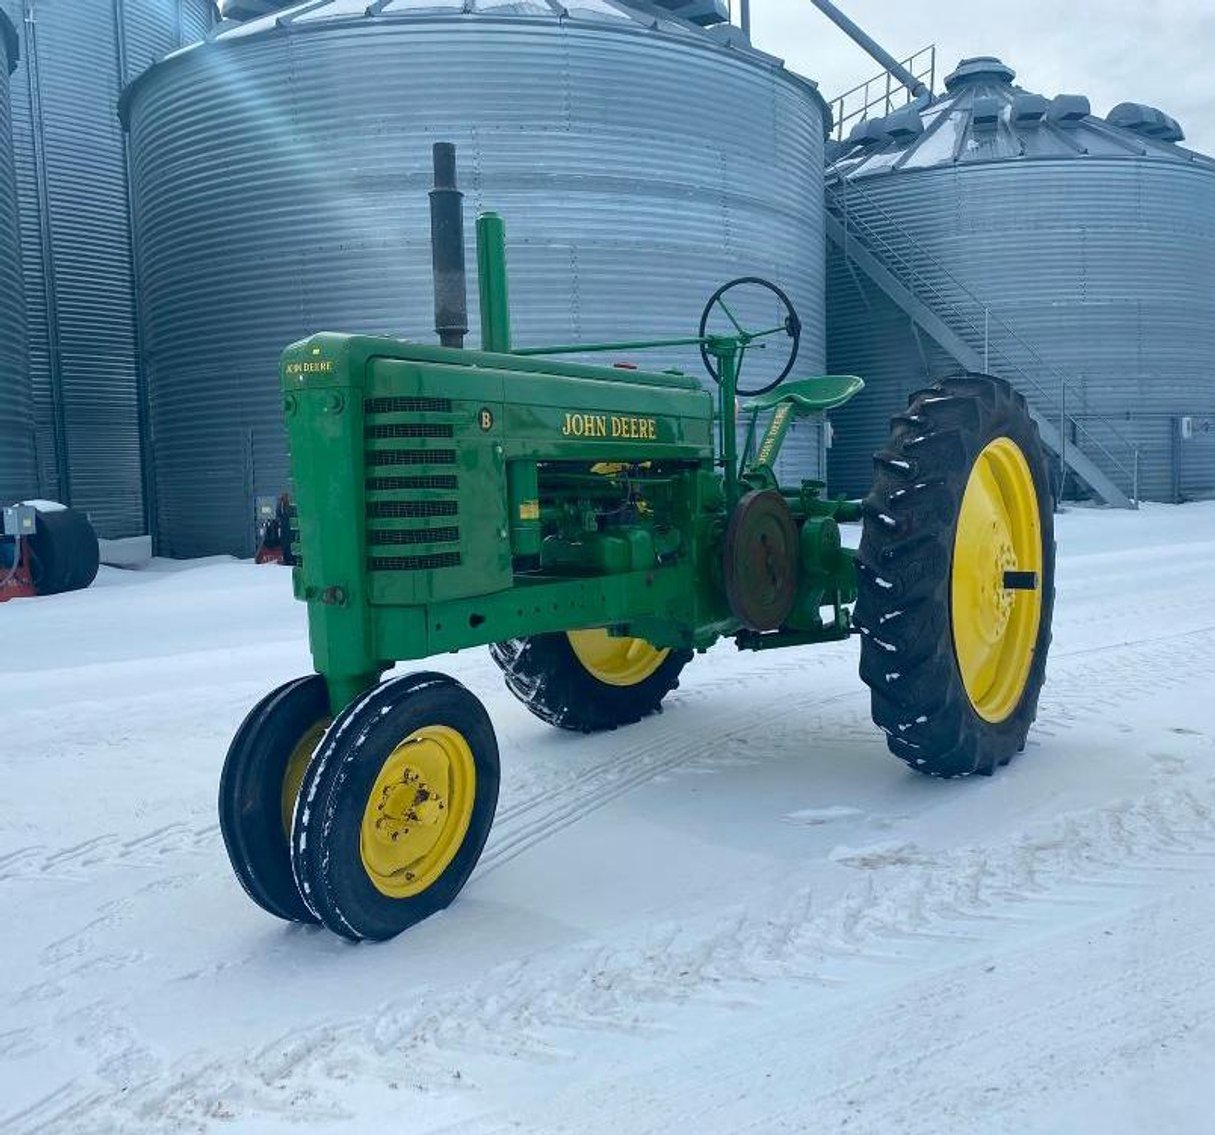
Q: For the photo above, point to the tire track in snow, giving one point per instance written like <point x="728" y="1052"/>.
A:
<point x="909" y="1060"/>
<point x="671" y="721"/>
<point x="544" y="816"/>
<point x="1097" y="683"/>
<point x="76" y="862"/>
<point x="607" y="780"/>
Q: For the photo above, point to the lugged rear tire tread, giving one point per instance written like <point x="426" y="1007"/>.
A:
<point x="904" y="571"/>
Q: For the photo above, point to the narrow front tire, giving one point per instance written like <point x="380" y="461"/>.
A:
<point x="257" y="789"/>
<point x="395" y="809"/>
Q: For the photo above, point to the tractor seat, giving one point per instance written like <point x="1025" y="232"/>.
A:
<point x="808" y="395"/>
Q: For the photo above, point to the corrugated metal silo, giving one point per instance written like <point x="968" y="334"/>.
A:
<point x="1077" y="253"/>
<point x="18" y="474"/>
<point x="281" y="172"/>
<point x="76" y="243"/>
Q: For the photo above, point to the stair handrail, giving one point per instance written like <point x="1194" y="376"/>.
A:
<point x="891" y="93"/>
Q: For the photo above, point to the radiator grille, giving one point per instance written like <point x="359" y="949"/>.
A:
<point x="424" y="495"/>
<point x="388" y="430"/>
<point x="393" y="484"/>
<point x="414" y="563"/>
<point x="411" y="457"/>
<point x="449" y="534"/>
<point x="404" y="510"/>
<point x="404" y="405"/>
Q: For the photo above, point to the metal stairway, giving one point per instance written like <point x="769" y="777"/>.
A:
<point x="939" y="304"/>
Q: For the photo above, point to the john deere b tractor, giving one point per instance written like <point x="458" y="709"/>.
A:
<point x="596" y="527"/>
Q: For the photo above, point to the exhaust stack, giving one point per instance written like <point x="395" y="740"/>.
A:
<point x="447" y="249"/>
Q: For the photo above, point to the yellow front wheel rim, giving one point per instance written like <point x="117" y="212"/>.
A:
<point x="297" y="765"/>
<point x="616" y="661"/>
<point x="995" y="629"/>
<point x="418" y="811"/>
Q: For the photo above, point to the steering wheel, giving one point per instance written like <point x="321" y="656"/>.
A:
<point x="791" y="326"/>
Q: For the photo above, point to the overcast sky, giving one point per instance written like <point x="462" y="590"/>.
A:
<point x="1161" y="53"/>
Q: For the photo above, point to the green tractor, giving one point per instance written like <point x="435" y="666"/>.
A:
<point x="596" y="527"/>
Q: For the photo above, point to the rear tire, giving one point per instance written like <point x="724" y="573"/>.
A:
<point x="547" y="675"/>
<point x="955" y="698"/>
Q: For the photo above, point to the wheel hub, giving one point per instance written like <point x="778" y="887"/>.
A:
<point x="1002" y="598"/>
<point x="995" y="605"/>
<point x="411" y="804"/>
<point x="418" y="811"/>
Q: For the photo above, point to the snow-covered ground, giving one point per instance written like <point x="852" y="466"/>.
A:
<point x="741" y="915"/>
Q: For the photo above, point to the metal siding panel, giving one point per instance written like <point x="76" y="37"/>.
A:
<point x="18" y="470"/>
<point x="281" y="179"/>
<point x="95" y="342"/>
<point x="77" y="252"/>
<point x="33" y="269"/>
<point x="195" y="18"/>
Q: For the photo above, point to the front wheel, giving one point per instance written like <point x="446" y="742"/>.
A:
<point x="262" y="774"/>
<point x="396" y="807"/>
<point x="956" y="578"/>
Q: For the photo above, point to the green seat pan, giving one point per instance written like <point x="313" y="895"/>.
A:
<point x="809" y="395"/>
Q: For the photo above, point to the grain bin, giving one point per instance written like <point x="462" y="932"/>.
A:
<point x="76" y="243"/>
<point x="281" y="169"/>
<point x="18" y="476"/>
<point x="1077" y="253"/>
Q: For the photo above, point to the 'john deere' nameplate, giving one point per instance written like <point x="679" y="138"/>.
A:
<point x="609" y="425"/>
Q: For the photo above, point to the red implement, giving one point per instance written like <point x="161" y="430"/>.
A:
<point x="16" y="581"/>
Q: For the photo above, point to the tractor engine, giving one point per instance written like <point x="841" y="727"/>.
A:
<point x="573" y="478"/>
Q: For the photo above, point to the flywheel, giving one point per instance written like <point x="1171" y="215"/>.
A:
<point x="760" y="561"/>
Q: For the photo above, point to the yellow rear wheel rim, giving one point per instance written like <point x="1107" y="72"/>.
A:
<point x="995" y="630"/>
<point x="616" y="661"/>
<point x="297" y="765"/>
<point x="418" y="811"/>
